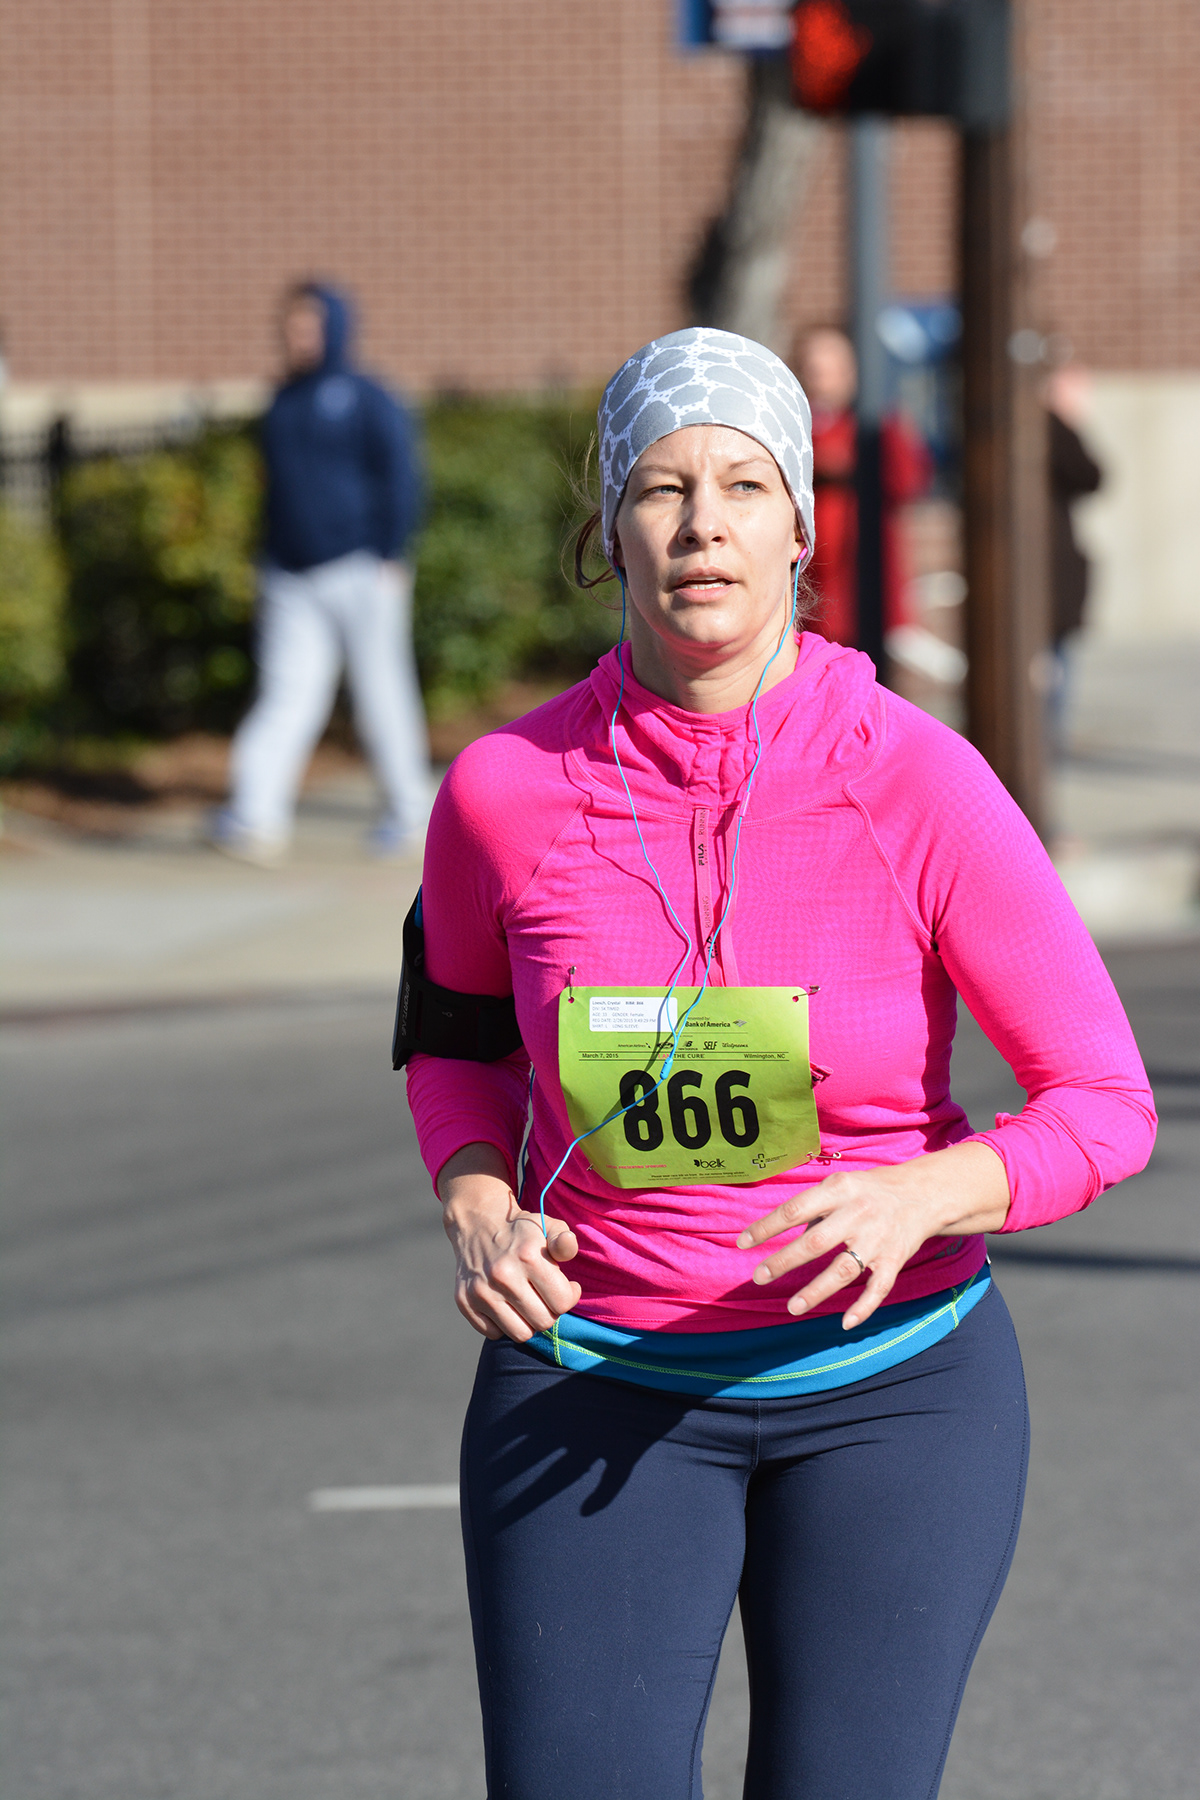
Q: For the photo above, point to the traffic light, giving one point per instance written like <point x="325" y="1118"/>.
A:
<point x="940" y="58"/>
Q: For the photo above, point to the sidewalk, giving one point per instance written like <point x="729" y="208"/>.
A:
<point x="157" y="918"/>
<point x="1125" y="802"/>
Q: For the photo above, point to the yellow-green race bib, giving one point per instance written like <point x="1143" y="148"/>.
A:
<point x="737" y="1106"/>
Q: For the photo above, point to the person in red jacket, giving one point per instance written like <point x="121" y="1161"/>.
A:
<point x="828" y="373"/>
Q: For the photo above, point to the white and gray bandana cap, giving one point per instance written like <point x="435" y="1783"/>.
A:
<point x="703" y="376"/>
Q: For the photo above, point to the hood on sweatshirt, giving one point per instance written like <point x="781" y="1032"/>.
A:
<point x="339" y="327"/>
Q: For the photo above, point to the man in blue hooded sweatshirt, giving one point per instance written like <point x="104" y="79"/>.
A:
<point x="343" y="497"/>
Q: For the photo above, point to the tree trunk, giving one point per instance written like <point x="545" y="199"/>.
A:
<point x="739" y="277"/>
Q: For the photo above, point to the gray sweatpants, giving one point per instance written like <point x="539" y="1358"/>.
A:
<point x="357" y="611"/>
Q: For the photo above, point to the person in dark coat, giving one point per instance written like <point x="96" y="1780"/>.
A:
<point x="1073" y="473"/>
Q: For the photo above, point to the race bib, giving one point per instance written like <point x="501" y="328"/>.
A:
<point x="737" y="1105"/>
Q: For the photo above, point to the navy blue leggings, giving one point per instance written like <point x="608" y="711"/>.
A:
<point x="866" y="1532"/>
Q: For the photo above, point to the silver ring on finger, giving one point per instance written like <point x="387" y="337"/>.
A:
<point x="862" y="1267"/>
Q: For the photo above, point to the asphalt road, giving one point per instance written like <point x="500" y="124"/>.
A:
<point x="226" y="1287"/>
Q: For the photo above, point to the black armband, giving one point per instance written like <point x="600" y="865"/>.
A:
<point x="437" y="1021"/>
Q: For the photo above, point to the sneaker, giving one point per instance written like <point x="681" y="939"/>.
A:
<point x="254" y="847"/>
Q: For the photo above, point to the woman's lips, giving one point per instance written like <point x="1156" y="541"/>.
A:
<point x="704" y="581"/>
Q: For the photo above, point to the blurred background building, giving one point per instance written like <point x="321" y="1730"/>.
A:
<point x="517" y="193"/>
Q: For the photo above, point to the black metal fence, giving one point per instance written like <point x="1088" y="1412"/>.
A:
<point x="34" y="462"/>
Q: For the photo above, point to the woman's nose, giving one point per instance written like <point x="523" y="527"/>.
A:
<point x="704" y="519"/>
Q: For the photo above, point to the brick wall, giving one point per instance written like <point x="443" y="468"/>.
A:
<point x="1114" y="153"/>
<point x="513" y="187"/>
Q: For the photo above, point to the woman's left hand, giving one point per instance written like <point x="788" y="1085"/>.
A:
<point x="884" y="1215"/>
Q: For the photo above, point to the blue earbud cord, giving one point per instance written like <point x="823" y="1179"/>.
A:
<point x="674" y="916"/>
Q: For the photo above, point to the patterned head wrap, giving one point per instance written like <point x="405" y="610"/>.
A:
<point x="702" y="376"/>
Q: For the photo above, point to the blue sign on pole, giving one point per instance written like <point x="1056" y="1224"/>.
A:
<point x="756" y="27"/>
<point x="694" y="19"/>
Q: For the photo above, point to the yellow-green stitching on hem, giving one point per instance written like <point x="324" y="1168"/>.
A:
<point x="623" y="1362"/>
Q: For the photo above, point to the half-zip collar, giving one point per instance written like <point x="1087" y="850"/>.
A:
<point x="676" y="761"/>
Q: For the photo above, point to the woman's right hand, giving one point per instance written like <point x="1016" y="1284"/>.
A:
<point x="508" y="1282"/>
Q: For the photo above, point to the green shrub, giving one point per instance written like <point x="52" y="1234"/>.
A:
<point x="492" y="603"/>
<point x="32" y="590"/>
<point x="159" y="549"/>
<point x="160" y="555"/>
<point x="32" y="660"/>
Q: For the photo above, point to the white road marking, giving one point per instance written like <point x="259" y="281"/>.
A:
<point x="381" y="1499"/>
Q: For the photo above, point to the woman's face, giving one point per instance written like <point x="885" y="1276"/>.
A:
<point x="707" y="536"/>
<point x="302" y="329"/>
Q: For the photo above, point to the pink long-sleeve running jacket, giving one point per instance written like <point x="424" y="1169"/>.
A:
<point x="881" y="861"/>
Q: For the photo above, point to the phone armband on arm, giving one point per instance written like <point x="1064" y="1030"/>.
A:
<point x="438" y="1022"/>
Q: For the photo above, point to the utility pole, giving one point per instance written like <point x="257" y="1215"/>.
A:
<point x="1004" y="452"/>
<point x="870" y="137"/>
<point x="1030" y="463"/>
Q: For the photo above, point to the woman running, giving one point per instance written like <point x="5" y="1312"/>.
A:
<point x="742" y="1336"/>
